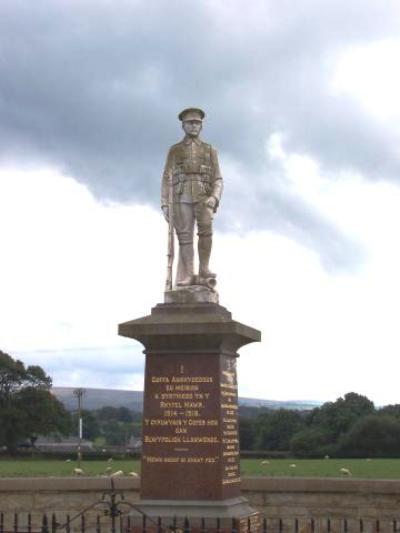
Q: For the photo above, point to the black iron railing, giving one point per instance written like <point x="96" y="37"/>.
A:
<point x="129" y="523"/>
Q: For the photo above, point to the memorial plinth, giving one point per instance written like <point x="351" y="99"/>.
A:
<point x="190" y="457"/>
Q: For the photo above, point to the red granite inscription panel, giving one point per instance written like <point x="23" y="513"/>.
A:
<point x="190" y="428"/>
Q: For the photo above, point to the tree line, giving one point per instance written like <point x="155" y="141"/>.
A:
<point x="28" y="410"/>
<point x="348" y="427"/>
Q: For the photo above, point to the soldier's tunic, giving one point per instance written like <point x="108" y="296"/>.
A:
<point x="195" y="176"/>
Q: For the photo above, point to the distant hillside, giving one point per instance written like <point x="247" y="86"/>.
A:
<point x="302" y="405"/>
<point x="97" y="398"/>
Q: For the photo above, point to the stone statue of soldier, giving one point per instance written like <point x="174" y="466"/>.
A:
<point x="192" y="170"/>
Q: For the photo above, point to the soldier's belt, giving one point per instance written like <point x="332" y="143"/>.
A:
<point x="199" y="178"/>
<point x="191" y="167"/>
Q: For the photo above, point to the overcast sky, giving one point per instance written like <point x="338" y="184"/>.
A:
<point x="302" y="105"/>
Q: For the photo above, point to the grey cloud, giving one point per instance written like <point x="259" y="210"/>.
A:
<point x="94" y="87"/>
<point x="281" y="210"/>
<point x="97" y="366"/>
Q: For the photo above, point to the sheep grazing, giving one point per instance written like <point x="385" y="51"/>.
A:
<point x="110" y="460"/>
<point x="293" y="466"/>
<point x="117" y="473"/>
<point x="78" y="471"/>
<point x="67" y="460"/>
<point x="345" y="471"/>
<point x="133" y="474"/>
<point x="265" y="462"/>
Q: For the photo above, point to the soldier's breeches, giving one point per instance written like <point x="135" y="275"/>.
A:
<point x="204" y="216"/>
<point x="184" y="222"/>
<point x="186" y="214"/>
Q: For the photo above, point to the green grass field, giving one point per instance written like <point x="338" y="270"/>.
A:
<point x="359" y="468"/>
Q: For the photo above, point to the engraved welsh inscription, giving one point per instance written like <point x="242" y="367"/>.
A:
<point x="190" y="427"/>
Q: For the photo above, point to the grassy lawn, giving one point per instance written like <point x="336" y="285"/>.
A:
<point x="362" y="468"/>
<point x="55" y="467"/>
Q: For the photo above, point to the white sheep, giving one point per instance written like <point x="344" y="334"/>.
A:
<point x="117" y="473"/>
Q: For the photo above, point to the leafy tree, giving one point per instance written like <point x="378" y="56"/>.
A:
<point x="125" y="415"/>
<point x="372" y="436"/>
<point x="27" y="407"/>
<point x="275" y="429"/>
<point x="246" y="433"/>
<point x="336" y="418"/>
<point x="392" y="410"/>
<point x="311" y="442"/>
<point x="117" y="433"/>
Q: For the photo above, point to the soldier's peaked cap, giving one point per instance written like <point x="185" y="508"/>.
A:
<point x="191" y="113"/>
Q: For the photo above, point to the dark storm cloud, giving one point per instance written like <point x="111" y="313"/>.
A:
<point x="94" y="87"/>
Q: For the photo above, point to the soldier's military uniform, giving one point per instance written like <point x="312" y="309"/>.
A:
<point x="195" y="177"/>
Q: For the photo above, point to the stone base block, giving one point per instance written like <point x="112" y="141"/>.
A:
<point x="191" y="295"/>
<point x="195" y="515"/>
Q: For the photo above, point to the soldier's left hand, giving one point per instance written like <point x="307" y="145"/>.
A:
<point x="211" y="202"/>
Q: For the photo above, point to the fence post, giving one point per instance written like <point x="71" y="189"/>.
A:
<point x="45" y="524"/>
<point x="186" y="525"/>
<point x="113" y="523"/>
<point x="233" y="526"/>
<point x="53" y="523"/>
<point x="68" y="525"/>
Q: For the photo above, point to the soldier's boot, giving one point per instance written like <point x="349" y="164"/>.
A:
<point x="185" y="268"/>
<point x="204" y="246"/>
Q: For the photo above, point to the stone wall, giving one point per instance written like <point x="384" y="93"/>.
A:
<point x="324" y="497"/>
<point x="285" y="498"/>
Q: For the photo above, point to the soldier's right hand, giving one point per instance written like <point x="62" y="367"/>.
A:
<point x="165" y="210"/>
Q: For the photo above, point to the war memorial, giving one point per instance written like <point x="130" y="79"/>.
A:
<point x="190" y="457"/>
<point x="190" y="466"/>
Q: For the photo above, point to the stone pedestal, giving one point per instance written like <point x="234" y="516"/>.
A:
<point x="190" y="458"/>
